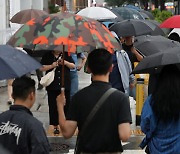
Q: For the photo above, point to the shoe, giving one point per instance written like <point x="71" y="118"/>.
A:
<point x="40" y="87"/>
<point x="56" y="131"/>
<point x="9" y="102"/>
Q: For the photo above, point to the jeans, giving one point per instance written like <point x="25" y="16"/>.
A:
<point x="74" y="82"/>
<point x="132" y="92"/>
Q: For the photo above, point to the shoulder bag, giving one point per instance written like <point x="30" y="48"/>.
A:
<point x="47" y="79"/>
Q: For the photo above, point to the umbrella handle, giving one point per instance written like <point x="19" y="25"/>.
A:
<point x="63" y="90"/>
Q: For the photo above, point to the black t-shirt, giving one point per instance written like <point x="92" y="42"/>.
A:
<point x="48" y="59"/>
<point x="101" y="134"/>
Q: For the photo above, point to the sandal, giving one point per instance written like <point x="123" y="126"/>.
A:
<point x="56" y="131"/>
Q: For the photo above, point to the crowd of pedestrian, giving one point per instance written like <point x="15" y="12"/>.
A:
<point x="101" y="111"/>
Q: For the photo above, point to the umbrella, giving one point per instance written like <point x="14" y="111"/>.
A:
<point x="64" y="32"/>
<point x="132" y="7"/>
<point x="156" y="61"/>
<point x="14" y="63"/>
<point x="155" y="26"/>
<point x="97" y="13"/>
<point x="149" y="14"/>
<point x="109" y="22"/>
<point x="149" y="45"/>
<point x="127" y="13"/>
<point x="145" y="16"/>
<point x="172" y="22"/>
<point x="131" y="27"/>
<point x="25" y="15"/>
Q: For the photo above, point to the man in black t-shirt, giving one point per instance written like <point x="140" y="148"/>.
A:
<point x="111" y="123"/>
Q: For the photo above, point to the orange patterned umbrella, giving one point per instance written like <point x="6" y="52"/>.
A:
<point x="52" y="32"/>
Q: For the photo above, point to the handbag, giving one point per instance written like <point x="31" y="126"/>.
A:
<point x="47" y="79"/>
<point x="91" y="115"/>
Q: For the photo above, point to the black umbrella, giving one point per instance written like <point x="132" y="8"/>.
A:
<point x="149" y="14"/>
<point x="131" y="27"/>
<point x="14" y="63"/>
<point x="149" y="45"/>
<point x="156" y="61"/>
<point x="155" y="27"/>
<point x="127" y="13"/>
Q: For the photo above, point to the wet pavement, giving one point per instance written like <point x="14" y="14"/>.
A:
<point x="58" y="143"/>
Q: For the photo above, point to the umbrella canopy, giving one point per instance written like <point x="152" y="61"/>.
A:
<point x="109" y="22"/>
<point x="155" y="27"/>
<point x="149" y="14"/>
<point x="145" y="16"/>
<point x="25" y="15"/>
<point x="157" y="61"/>
<point x="127" y="13"/>
<point x="131" y="27"/>
<point x="14" y="63"/>
<point x="132" y="7"/>
<point x="97" y="13"/>
<point x="172" y="22"/>
<point x="64" y="32"/>
<point x="149" y="45"/>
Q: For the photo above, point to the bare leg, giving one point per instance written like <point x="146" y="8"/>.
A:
<point x="9" y="88"/>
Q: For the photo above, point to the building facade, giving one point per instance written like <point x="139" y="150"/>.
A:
<point x="8" y="8"/>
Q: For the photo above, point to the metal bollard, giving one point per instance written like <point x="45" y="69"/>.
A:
<point x="139" y="99"/>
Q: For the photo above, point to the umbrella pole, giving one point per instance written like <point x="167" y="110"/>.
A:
<point x="62" y="79"/>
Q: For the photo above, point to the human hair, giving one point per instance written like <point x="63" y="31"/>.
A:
<point x="99" y="61"/>
<point x="22" y="87"/>
<point x="166" y="96"/>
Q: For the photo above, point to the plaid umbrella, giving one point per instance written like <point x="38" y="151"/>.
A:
<point x="69" y="31"/>
<point x="25" y="15"/>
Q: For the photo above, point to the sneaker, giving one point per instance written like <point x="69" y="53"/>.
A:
<point x="40" y="87"/>
<point x="56" y="131"/>
<point x="9" y="102"/>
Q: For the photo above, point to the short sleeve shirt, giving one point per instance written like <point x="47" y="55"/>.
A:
<point x="48" y="59"/>
<point x="102" y="133"/>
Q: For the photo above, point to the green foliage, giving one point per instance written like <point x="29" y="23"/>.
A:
<point x="161" y="16"/>
<point x="164" y="15"/>
<point x="53" y="8"/>
<point x="156" y="12"/>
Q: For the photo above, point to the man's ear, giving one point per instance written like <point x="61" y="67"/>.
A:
<point x="111" y="68"/>
<point x="31" y="95"/>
